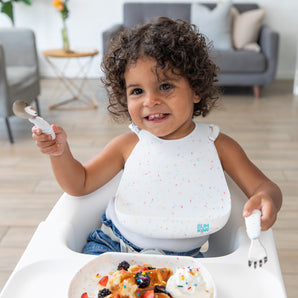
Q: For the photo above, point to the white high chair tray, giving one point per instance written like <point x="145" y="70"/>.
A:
<point x="52" y="258"/>
<point x="53" y="277"/>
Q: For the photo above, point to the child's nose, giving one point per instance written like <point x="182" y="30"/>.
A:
<point x="151" y="99"/>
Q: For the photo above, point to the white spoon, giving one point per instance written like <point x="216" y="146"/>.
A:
<point x="23" y="110"/>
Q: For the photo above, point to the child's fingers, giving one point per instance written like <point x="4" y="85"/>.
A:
<point x="250" y="206"/>
<point x="49" y="147"/>
<point x="50" y="150"/>
<point x="41" y="137"/>
<point x="38" y="135"/>
<point x="43" y="145"/>
<point x="56" y="128"/>
<point x="269" y="215"/>
<point x="265" y="205"/>
<point x="36" y="130"/>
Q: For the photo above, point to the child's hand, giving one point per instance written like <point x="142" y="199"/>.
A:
<point x="45" y="143"/>
<point x="265" y="204"/>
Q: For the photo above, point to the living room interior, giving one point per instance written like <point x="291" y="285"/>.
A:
<point x="264" y="122"/>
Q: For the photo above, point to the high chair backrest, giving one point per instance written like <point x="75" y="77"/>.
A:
<point x="83" y="215"/>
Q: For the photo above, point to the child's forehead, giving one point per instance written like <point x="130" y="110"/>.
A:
<point x="160" y="71"/>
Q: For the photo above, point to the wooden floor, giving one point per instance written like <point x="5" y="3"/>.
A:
<point x="267" y="128"/>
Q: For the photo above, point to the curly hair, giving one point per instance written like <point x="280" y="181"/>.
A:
<point x="176" y="46"/>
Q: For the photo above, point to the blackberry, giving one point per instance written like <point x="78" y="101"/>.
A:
<point x="161" y="289"/>
<point x="142" y="279"/>
<point x="123" y="265"/>
<point x="104" y="292"/>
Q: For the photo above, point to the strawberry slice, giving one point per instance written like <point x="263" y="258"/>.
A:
<point x="103" y="281"/>
<point x="143" y="269"/>
<point x="149" y="294"/>
<point x="85" y="295"/>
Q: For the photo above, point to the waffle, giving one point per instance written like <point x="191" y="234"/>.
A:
<point x="139" y="281"/>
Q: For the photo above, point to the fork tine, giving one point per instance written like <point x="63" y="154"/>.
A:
<point x="257" y="255"/>
<point x="260" y="263"/>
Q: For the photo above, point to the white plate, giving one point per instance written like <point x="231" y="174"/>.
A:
<point x="87" y="278"/>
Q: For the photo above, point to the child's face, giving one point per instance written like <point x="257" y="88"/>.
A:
<point x="162" y="106"/>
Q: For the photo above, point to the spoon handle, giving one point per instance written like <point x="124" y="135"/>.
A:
<point x="44" y="126"/>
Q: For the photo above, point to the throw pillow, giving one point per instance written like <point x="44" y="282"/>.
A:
<point x="215" y="23"/>
<point x="246" y="27"/>
<point x="252" y="47"/>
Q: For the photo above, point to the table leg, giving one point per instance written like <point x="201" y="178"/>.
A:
<point x="70" y="85"/>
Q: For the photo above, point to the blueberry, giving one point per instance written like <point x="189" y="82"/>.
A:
<point x="142" y="279"/>
<point x="123" y="265"/>
<point x="104" y="292"/>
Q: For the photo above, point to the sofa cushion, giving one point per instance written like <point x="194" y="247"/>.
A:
<point x="240" y="61"/>
<point x="19" y="77"/>
<point x="215" y="23"/>
<point x="246" y="27"/>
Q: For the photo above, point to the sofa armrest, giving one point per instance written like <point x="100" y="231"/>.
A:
<point x="109" y="34"/>
<point x="269" y="42"/>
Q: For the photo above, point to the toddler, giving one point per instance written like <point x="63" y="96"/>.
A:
<point x="172" y="192"/>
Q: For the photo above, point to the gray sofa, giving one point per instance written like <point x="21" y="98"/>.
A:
<point x="237" y="67"/>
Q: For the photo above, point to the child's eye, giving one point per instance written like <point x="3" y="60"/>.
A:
<point x="165" y="86"/>
<point x="137" y="91"/>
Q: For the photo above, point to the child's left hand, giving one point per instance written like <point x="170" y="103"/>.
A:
<point x="266" y="205"/>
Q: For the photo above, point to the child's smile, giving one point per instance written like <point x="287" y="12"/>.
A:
<point x="163" y="104"/>
<point x="157" y="117"/>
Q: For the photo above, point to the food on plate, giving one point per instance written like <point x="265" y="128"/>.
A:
<point x="145" y="281"/>
<point x="188" y="282"/>
<point x="137" y="281"/>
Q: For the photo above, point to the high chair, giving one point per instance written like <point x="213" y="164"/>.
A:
<point x="53" y="256"/>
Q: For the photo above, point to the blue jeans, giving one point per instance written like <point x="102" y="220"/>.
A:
<point x="98" y="242"/>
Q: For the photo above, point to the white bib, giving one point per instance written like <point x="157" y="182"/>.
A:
<point x="174" y="188"/>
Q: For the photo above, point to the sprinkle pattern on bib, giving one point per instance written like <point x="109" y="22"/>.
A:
<point x="173" y="188"/>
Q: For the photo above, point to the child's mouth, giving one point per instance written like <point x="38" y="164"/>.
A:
<point x="156" y="117"/>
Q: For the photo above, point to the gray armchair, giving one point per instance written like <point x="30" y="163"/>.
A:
<point x="19" y="71"/>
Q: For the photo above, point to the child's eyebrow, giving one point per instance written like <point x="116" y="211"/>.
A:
<point x="132" y="86"/>
<point x="161" y="80"/>
<point x="166" y="79"/>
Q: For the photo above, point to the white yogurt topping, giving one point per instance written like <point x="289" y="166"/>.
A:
<point x="188" y="282"/>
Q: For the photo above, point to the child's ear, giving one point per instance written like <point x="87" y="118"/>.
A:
<point x="196" y="98"/>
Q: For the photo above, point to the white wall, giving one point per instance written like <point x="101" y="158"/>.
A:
<point x="88" y="19"/>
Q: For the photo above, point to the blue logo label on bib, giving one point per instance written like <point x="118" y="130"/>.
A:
<point x="202" y="228"/>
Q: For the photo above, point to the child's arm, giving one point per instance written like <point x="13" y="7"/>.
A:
<point x="75" y="178"/>
<point x="263" y="194"/>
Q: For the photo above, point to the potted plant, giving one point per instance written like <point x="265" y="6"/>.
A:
<point x="7" y="7"/>
<point x="62" y="7"/>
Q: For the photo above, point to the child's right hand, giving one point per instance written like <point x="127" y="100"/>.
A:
<point x="45" y="143"/>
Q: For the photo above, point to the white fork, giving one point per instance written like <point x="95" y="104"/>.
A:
<point x="257" y="254"/>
